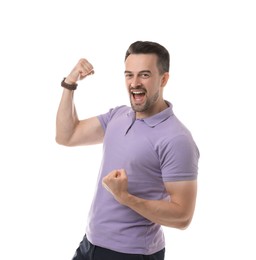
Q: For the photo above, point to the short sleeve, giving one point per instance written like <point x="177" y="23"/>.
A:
<point x="179" y="159"/>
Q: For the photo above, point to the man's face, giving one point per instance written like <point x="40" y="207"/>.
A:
<point x="144" y="83"/>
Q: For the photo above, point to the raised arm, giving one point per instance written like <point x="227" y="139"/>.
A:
<point x="71" y="131"/>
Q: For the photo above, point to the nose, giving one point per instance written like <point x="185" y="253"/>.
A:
<point x="135" y="83"/>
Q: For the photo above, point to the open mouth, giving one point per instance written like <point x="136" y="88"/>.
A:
<point x="138" y="94"/>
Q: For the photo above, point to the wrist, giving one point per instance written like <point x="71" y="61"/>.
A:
<point x="125" y="198"/>
<point x="69" y="81"/>
<point x="65" y="83"/>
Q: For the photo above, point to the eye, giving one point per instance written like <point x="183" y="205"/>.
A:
<point x="145" y="75"/>
<point x="128" y="75"/>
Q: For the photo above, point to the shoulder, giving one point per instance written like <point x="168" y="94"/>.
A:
<point x="116" y="111"/>
<point x="175" y="139"/>
<point x="113" y="113"/>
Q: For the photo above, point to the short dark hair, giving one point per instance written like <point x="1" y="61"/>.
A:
<point x="148" y="47"/>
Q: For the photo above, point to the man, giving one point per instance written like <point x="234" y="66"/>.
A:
<point x="148" y="176"/>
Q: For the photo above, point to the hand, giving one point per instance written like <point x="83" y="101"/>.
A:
<point x="82" y="69"/>
<point x="116" y="182"/>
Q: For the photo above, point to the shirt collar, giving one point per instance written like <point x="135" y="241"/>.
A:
<point x="156" y="119"/>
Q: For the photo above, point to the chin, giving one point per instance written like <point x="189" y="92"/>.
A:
<point x="138" y="108"/>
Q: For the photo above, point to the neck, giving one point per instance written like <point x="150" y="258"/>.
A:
<point x="152" y="111"/>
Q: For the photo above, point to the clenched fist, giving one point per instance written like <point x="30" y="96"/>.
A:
<point x="82" y="69"/>
<point x="116" y="182"/>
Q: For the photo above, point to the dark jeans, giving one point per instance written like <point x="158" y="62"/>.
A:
<point x="87" y="251"/>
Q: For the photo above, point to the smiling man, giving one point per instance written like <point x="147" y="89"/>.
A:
<point x="145" y="84"/>
<point x="148" y="175"/>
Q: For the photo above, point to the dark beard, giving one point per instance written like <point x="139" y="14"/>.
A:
<point x="149" y="103"/>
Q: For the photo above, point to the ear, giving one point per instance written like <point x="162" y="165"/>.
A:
<point x="165" y="78"/>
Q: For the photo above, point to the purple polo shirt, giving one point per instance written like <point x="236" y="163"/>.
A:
<point x="153" y="150"/>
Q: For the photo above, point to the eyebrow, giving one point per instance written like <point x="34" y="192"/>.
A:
<point x="142" y="71"/>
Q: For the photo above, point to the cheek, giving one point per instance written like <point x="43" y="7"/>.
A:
<point x="153" y="87"/>
<point x="128" y="89"/>
<point x="127" y="83"/>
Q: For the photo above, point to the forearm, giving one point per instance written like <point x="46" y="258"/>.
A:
<point x="175" y="213"/>
<point x="66" y="119"/>
<point x="166" y="213"/>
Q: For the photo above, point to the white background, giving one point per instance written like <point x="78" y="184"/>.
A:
<point x="46" y="189"/>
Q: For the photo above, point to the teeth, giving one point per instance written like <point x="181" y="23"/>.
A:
<point x="137" y="92"/>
